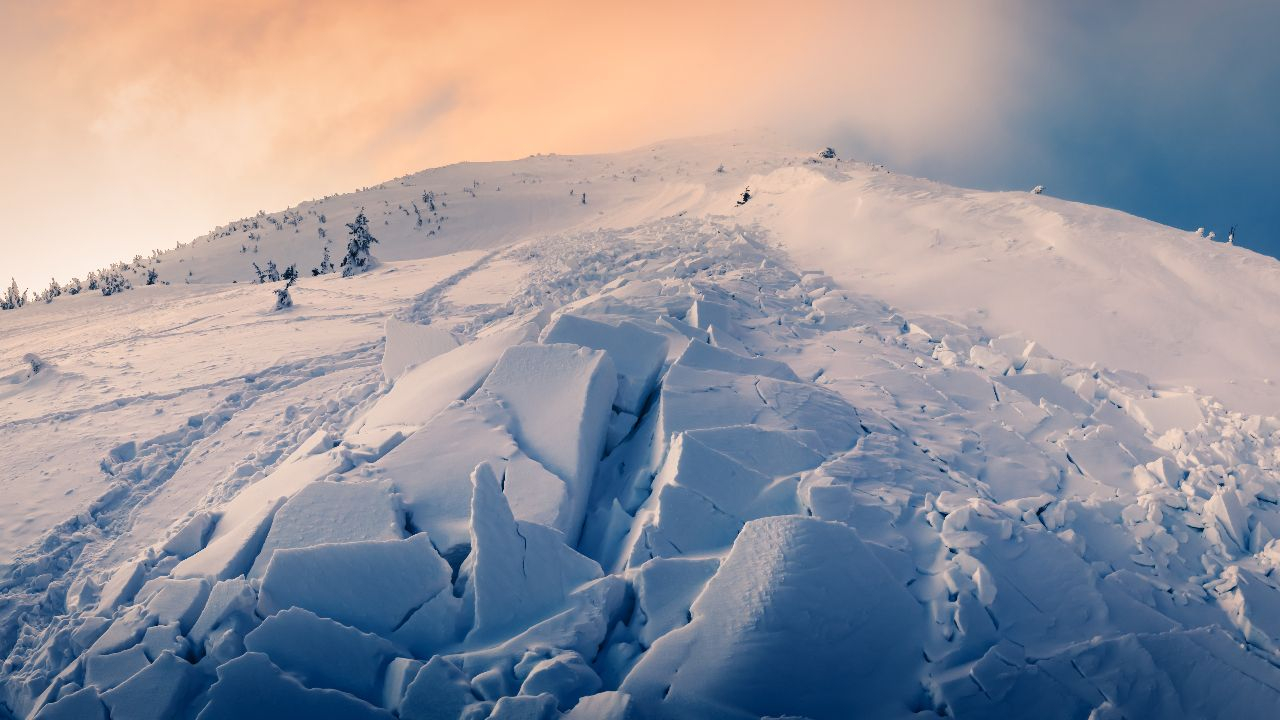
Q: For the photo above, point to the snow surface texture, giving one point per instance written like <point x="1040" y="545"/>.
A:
<point x="654" y="457"/>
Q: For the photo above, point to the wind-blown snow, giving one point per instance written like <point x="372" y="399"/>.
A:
<point x="658" y="455"/>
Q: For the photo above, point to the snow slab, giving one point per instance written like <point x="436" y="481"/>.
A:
<point x="370" y="585"/>
<point x="409" y="344"/>
<point x="637" y="353"/>
<point x="251" y="687"/>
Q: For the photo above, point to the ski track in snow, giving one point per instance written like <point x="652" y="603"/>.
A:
<point x="719" y="485"/>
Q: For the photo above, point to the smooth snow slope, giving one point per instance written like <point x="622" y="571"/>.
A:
<point x="660" y="455"/>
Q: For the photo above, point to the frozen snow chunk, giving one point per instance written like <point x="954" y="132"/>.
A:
<point x="1048" y="388"/>
<point x="791" y="607"/>
<point x="834" y="423"/>
<point x="251" y="687"/>
<point x="989" y="360"/>
<point x="370" y="585"/>
<point x="439" y="692"/>
<point x="1166" y="412"/>
<point x="677" y="520"/>
<point x="232" y="554"/>
<point x="410" y="344"/>
<point x="122" y="586"/>
<point x="524" y="707"/>
<point x="637" y="354"/>
<point x="702" y="356"/>
<point x="333" y="512"/>
<point x="726" y="341"/>
<point x="566" y="677"/>
<point x="560" y="398"/>
<point x="774" y="453"/>
<point x="519" y="572"/>
<point x="228" y="600"/>
<point x="323" y="653"/>
<point x="83" y="704"/>
<point x="190" y="539"/>
<point x="1253" y="605"/>
<point x="175" y="600"/>
<point x="620" y="425"/>
<point x="1198" y="673"/>
<point x="124" y="632"/>
<point x="107" y="671"/>
<point x="1227" y="509"/>
<point x="609" y="705"/>
<point x="263" y="496"/>
<point x="431" y="627"/>
<point x="665" y="590"/>
<point x="159" y="638"/>
<point x="705" y="313"/>
<point x="400" y="672"/>
<point x="536" y="494"/>
<point x="432" y="471"/>
<point x="159" y="691"/>
<point x="423" y="391"/>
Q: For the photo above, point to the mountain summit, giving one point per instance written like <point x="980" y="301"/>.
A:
<point x="708" y="429"/>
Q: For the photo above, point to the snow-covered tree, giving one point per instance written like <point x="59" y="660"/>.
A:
<point x="746" y="196"/>
<point x="283" y="299"/>
<point x="151" y="276"/>
<point x="1037" y="190"/>
<point x="262" y="277"/>
<point x="91" y="281"/>
<point x="326" y="264"/>
<point x="273" y="273"/>
<point x="827" y="154"/>
<point x="358" y="258"/>
<point x="53" y="291"/>
<point x="74" y="287"/>
<point x="12" y="298"/>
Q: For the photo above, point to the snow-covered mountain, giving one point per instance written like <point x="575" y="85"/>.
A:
<point x="709" y="429"/>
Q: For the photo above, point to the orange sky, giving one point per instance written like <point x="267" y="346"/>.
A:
<point x="133" y="125"/>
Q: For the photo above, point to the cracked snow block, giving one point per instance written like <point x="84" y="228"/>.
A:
<point x="157" y="692"/>
<point x="422" y="392"/>
<point x="333" y="512"/>
<point x="833" y="422"/>
<point x="774" y="453"/>
<point x="677" y="521"/>
<point x="536" y="494"/>
<point x="440" y="691"/>
<point x="559" y="398"/>
<point x="371" y="585"/>
<point x="431" y="627"/>
<point x="1167" y="411"/>
<point x="791" y="607"/>
<point x="525" y="707"/>
<point x="122" y="586"/>
<point x="410" y="344"/>
<point x="107" y="671"/>
<point x="232" y="554"/>
<point x="432" y="471"/>
<point x="124" y="632"/>
<point x="637" y="354"/>
<point x="160" y="638"/>
<point x="1228" y="509"/>
<point x="172" y="600"/>
<point x="1199" y="673"/>
<point x="1047" y="388"/>
<point x="665" y="590"/>
<point x="1253" y="605"/>
<point x="250" y="686"/>
<point x="83" y="704"/>
<point x="701" y="356"/>
<point x="323" y="653"/>
<point x="229" y="601"/>
<point x="518" y="573"/>
<point x="566" y="677"/>
<point x="400" y="672"/>
<point x="609" y="705"/>
<point x="705" y="313"/>
<point x="193" y="535"/>
<point x="990" y="360"/>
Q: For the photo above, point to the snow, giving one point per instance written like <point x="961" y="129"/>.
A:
<point x="864" y="446"/>
<point x="409" y="344"/>
<point x="370" y="585"/>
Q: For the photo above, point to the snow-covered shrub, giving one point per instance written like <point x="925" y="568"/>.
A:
<point x="827" y="154"/>
<point x="113" y="281"/>
<point x="358" y="258"/>
<point x="1037" y="190"/>
<point x="746" y="196"/>
<point x="283" y="298"/>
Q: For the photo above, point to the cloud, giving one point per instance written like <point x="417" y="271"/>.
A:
<point x="143" y="126"/>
